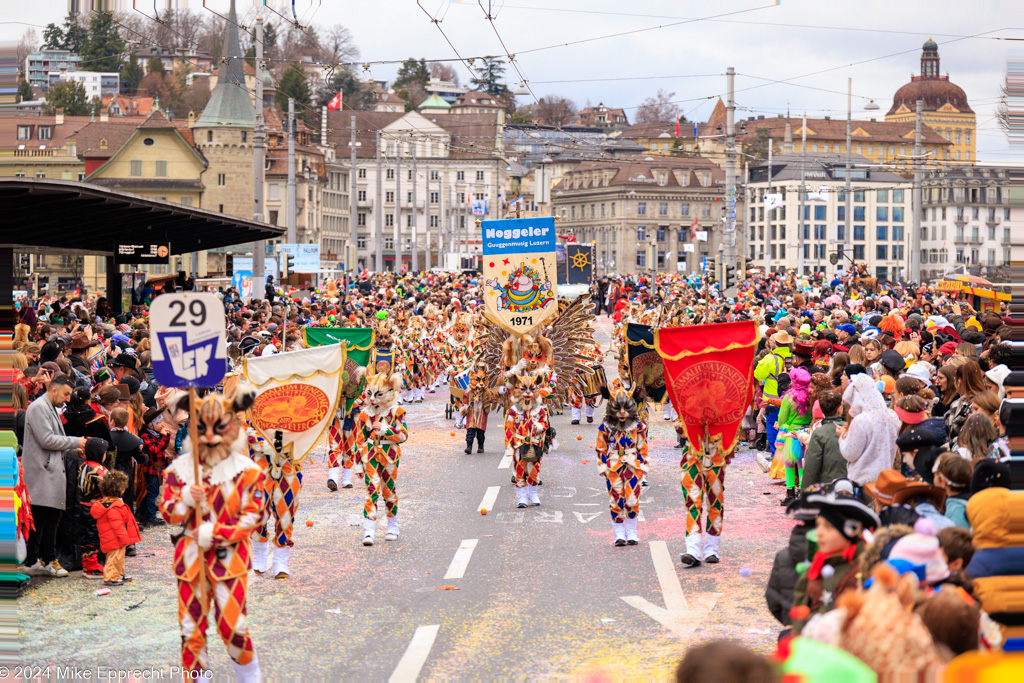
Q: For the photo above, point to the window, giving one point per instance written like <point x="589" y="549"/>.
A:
<point x="460" y="197"/>
<point x="434" y="221"/>
<point x="245" y="137"/>
<point x="882" y="196"/>
<point x="663" y="209"/>
<point x="24" y="132"/>
<point x="858" y="232"/>
<point x="1006" y="235"/>
<point x="389" y="242"/>
<point x="390" y="175"/>
<point x="1006" y="214"/>
<point x="959" y="233"/>
<point x="273" y="216"/>
<point x="661" y="234"/>
<point x="361" y="174"/>
<point x="479" y="196"/>
<point x="881" y="213"/>
<point x="641" y="259"/>
<point x="841" y="232"/>
<point x="991" y="232"/>
<point x="613" y="209"/>
<point x="435" y="175"/>
<point x="641" y="208"/>
<point x="858" y="252"/>
<point x="222" y="178"/>
<point x="135" y="168"/>
<point x="858" y="213"/>
<point x="408" y="197"/>
<point x="480" y="176"/>
<point x="572" y="211"/>
<point x="819" y="232"/>
<point x="897" y="214"/>
<point x="684" y="208"/>
<point x="389" y="220"/>
<point x="161" y="168"/>
<point x="209" y="136"/>
<point x="897" y="233"/>
<point x="361" y="218"/>
<point x="602" y="210"/>
<point x="897" y="252"/>
<point x="434" y="197"/>
<point x="408" y="220"/>
<point x="45" y="132"/>
<point x="974" y="234"/>
<point x="819" y="212"/>
<point x="641" y="233"/>
<point x="460" y="175"/>
<point x="881" y="232"/>
<point x="593" y="211"/>
<point x="975" y="213"/>
<point x="361" y="242"/>
<point x="409" y="174"/>
<point x="840" y="213"/>
<point x="360" y="195"/>
<point x="858" y="195"/>
<point x="40" y="174"/>
<point x="389" y="196"/>
<point x="897" y="196"/>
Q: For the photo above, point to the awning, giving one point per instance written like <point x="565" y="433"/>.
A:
<point x="76" y="216"/>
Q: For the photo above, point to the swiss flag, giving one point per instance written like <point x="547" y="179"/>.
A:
<point x="335" y="103"/>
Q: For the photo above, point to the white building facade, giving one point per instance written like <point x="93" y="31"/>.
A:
<point x="96" y="83"/>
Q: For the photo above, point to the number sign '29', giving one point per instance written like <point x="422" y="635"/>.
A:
<point x="189" y="349"/>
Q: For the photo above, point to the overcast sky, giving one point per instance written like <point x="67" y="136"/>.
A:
<point x="814" y="44"/>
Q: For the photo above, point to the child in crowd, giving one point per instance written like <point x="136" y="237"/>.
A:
<point x="976" y="438"/>
<point x="823" y="461"/>
<point x="953" y="475"/>
<point x="129" y="453"/>
<point x="116" y="525"/>
<point x="957" y="547"/>
<point x="155" y="437"/>
<point x="90" y="473"/>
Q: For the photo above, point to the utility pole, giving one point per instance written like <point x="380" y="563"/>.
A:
<point x="292" y="232"/>
<point x="378" y="234"/>
<point x="398" y="209"/>
<point x="915" y="237"/>
<point x="259" y="154"/>
<point x="729" y="236"/>
<point x="353" y="206"/>
<point x="803" y="193"/>
<point x="415" y="182"/>
<point x="848" y="212"/>
<point x="768" y="217"/>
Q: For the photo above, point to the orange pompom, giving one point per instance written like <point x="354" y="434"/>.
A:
<point x="309" y="522"/>
<point x="800" y="612"/>
<point x="579" y="437"/>
<point x="452" y="434"/>
<point x="483" y="511"/>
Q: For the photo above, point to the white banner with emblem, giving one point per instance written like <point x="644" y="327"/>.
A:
<point x="297" y="395"/>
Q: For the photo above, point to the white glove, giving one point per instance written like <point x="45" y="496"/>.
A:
<point x="205" y="535"/>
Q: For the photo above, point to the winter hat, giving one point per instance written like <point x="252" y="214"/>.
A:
<point x="96" y="449"/>
<point x="997" y="376"/>
<point x="948" y="349"/>
<point x="886" y="385"/>
<point x="816" y="412"/>
<point x="990" y="474"/>
<point x="920" y="549"/>
<point x="919" y="371"/>
<point x="132" y="383"/>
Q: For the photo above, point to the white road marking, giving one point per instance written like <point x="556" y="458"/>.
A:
<point x="489" y="498"/>
<point x="585" y="517"/>
<point x="415" y="656"/>
<point x="554" y="517"/>
<point x="505" y="463"/>
<point x="679" y="616"/>
<point x="457" y="569"/>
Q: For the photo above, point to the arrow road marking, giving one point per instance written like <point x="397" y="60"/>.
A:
<point x="585" y="517"/>
<point x="489" y="498"/>
<point x="457" y="569"/>
<point x="415" y="656"/>
<point x="677" y="616"/>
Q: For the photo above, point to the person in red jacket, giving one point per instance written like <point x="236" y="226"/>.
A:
<point x="116" y="525"/>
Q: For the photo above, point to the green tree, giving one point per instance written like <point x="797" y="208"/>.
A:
<point x="69" y="96"/>
<point x="70" y="37"/>
<point x="103" y="47"/>
<point x="293" y="84"/>
<point x="488" y="78"/>
<point x="412" y="71"/>
<point x="24" y="93"/>
<point x="131" y="75"/>
<point x="352" y="90"/>
<point x="53" y="37"/>
<point x="155" y="65"/>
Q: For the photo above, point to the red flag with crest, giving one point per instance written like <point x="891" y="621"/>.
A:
<point x="709" y="372"/>
<point x="335" y="103"/>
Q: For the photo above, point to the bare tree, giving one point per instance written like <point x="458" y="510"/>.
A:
<point x="444" y="72"/>
<point x="338" y="45"/>
<point x="658" y="109"/>
<point x="27" y="44"/>
<point x="554" y="110"/>
<point x="1003" y="109"/>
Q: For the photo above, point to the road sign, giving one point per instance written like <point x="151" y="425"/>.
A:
<point x="189" y="347"/>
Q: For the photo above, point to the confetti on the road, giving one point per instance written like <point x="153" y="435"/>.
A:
<point x="759" y="631"/>
<point x="585" y="462"/>
<point x="579" y="437"/>
<point x="309" y="522"/>
<point x="447" y="588"/>
<point x="744" y="572"/>
<point x="607" y="621"/>
<point x="103" y="591"/>
<point x="483" y="511"/>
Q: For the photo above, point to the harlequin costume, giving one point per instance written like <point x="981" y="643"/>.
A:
<point x="528" y="435"/>
<point x="380" y="450"/>
<point x="282" y="481"/>
<point x="211" y="562"/>
<point x="341" y="454"/>
<point x="577" y="400"/>
<point x="703" y="478"/>
<point x="621" y="451"/>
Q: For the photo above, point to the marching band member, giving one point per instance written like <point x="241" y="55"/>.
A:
<point x="282" y="481"/>
<point x="528" y="434"/>
<point x="622" y="459"/>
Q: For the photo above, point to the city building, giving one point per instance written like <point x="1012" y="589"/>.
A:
<point x="310" y="177"/>
<point x="881" y="219"/>
<point x="459" y="178"/>
<point x="624" y="205"/>
<point x="41" y="146"/>
<point x="966" y="220"/>
<point x="128" y="105"/>
<point x="944" y="108"/>
<point x="182" y="58"/>
<point x="658" y="138"/>
<point x="38" y="65"/>
<point x="96" y="83"/>
<point x="602" y="117"/>
<point x="446" y="90"/>
<point x="334" y="228"/>
<point x="475" y="102"/>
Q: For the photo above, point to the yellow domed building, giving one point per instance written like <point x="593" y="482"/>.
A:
<point x="945" y="108"/>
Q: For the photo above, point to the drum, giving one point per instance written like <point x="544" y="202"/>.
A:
<point x="460" y="385"/>
<point x="382" y="360"/>
<point x="595" y="381"/>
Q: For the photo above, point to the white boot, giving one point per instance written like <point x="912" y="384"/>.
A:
<point x="392" y="532"/>
<point x="260" y="550"/>
<point x="763" y="461"/>
<point x="631" y="537"/>
<point x="346" y="477"/>
<point x="522" y="499"/>
<point x="693" y="555"/>
<point x="575" y="415"/>
<point x="419" y="395"/>
<point x="711" y="548"/>
<point x="248" y="673"/>
<point x="666" y="411"/>
<point x="589" y="412"/>
<point x="369" y="531"/>
<point x="531" y="492"/>
<point x="618" y="528"/>
<point x="281" y="562"/>
<point x="332" y="478"/>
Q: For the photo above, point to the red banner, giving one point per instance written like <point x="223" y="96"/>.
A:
<point x="709" y="372"/>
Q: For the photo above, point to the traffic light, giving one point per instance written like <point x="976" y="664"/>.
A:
<point x="287" y="264"/>
<point x="25" y="261"/>
<point x="229" y="264"/>
<point x="729" y="278"/>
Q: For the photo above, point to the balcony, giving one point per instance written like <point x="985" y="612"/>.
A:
<point x="365" y="204"/>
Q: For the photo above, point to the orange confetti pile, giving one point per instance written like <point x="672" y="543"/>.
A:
<point x="579" y="437"/>
<point x="447" y="588"/>
<point x="585" y="462"/>
<point x="309" y="522"/>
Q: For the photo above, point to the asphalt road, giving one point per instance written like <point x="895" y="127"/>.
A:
<point x="514" y="593"/>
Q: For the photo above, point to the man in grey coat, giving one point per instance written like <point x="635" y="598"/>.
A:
<point x="43" y="461"/>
